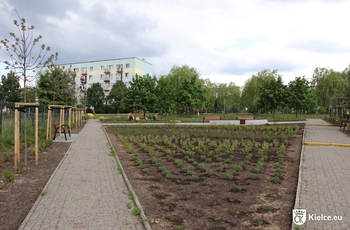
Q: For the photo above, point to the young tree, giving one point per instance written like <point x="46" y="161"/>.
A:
<point x="116" y="95"/>
<point x="95" y="96"/>
<point x="141" y="95"/>
<point x="24" y="58"/>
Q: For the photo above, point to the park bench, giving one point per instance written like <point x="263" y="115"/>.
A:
<point x="344" y="123"/>
<point x="207" y="118"/>
<point x="63" y="130"/>
<point x="242" y="119"/>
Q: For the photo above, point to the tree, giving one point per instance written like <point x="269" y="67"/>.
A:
<point x="95" y="96"/>
<point x="190" y="94"/>
<point x="116" y="95"/>
<point x="300" y="95"/>
<point x="10" y="89"/>
<point x="273" y="95"/>
<point x="227" y="97"/>
<point x="209" y="95"/>
<point x="141" y="95"/>
<point x="329" y="86"/>
<point x="54" y="87"/>
<point x="179" y="79"/>
<point x="166" y="95"/>
<point x="251" y="90"/>
<point x="24" y="57"/>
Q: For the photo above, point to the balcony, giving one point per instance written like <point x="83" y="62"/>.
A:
<point x="107" y="70"/>
<point x="84" y="72"/>
<point x="83" y="90"/>
<point x="107" y="88"/>
<point x="82" y="80"/>
<point x="73" y="73"/>
<point x="73" y="82"/>
<point x="120" y="70"/>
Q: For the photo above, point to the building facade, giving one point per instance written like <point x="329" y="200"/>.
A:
<point x="105" y="72"/>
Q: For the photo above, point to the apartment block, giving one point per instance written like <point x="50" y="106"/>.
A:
<point x="105" y="72"/>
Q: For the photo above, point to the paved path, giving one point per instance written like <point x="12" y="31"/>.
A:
<point x="86" y="191"/>
<point x="325" y="178"/>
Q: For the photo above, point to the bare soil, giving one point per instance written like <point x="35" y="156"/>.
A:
<point x="213" y="202"/>
<point x="18" y="197"/>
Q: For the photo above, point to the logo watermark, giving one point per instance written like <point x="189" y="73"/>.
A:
<point x="300" y="216"/>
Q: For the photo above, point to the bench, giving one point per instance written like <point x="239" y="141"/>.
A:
<point x="344" y="123"/>
<point x="242" y="119"/>
<point x="207" y="118"/>
<point x="63" y="130"/>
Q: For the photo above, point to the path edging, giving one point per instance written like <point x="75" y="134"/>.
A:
<point x="126" y="180"/>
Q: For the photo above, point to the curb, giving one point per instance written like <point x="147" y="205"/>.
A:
<point x="137" y="202"/>
<point x="327" y="144"/>
<point x="298" y="192"/>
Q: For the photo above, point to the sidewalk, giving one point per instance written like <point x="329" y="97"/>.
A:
<point x="86" y="191"/>
<point x="324" y="180"/>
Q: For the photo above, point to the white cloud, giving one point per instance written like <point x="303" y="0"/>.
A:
<point x="225" y="40"/>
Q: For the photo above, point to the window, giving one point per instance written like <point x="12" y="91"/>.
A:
<point x="110" y="67"/>
<point x="126" y="74"/>
<point x="90" y="77"/>
<point x="127" y="65"/>
<point x="102" y="67"/>
<point x="91" y="68"/>
<point x="76" y="69"/>
<point x="101" y="77"/>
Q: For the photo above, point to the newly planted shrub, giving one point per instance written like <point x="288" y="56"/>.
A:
<point x="8" y="175"/>
<point x="6" y="157"/>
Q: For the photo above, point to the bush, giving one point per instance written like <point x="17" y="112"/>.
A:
<point x="8" y="175"/>
<point x="20" y="168"/>
<point x="6" y="157"/>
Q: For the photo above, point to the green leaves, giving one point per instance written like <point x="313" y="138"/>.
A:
<point x="141" y="95"/>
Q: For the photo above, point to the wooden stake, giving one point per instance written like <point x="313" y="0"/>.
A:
<point x="36" y="136"/>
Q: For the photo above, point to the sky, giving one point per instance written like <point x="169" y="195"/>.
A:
<point x="224" y="40"/>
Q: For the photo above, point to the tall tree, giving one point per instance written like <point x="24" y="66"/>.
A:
<point x="54" y="86"/>
<point x="329" y="86"/>
<point x="209" y="95"/>
<point x="95" y="96"/>
<point x="141" y="95"/>
<point x="10" y="89"/>
<point x="25" y="58"/>
<point x="166" y="95"/>
<point x="227" y="97"/>
<point x="179" y="77"/>
<point x="116" y="95"/>
<point x="251" y="90"/>
<point x="190" y="94"/>
<point x="300" y="95"/>
<point x="273" y="95"/>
